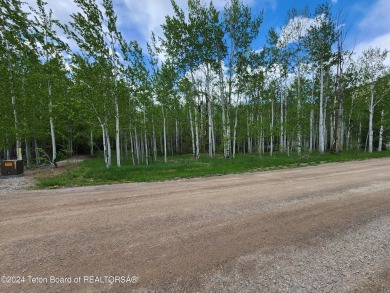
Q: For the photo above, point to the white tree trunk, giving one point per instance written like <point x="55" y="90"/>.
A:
<point x="272" y="129"/>
<point x="299" y="130"/>
<point x="331" y="129"/>
<point x="13" y="100"/>
<point x="213" y="135"/>
<point x="370" y="121"/>
<point x="18" y="140"/>
<point x="210" y="123"/>
<point x="342" y="132"/>
<point x="106" y="145"/>
<point x="165" y="136"/>
<point x="196" y="134"/>
<point x="209" y="112"/>
<point x="381" y="133"/>
<point x="154" y="141"/>
<point x="228" y="134"/>
<point x="52" y="132"/>
<point x="117" y="133"/>
<point x="176" y="136"/>
<point x="136" y="147"/>
<point x="299" y="106"/>
<point x="192" y="134"/>
<point x="146" y="140"/>
<point x="321" y="128"/>
<point x="248" y="132"/>
<point x="132" y="147"/>
<point x="311" y="129"/>
<point x="285" y="143"/>
<point x="281" y="134"/>
<point x="235" y="132"/>
<point x="223" y="113"/>
<point x="311" y="142"/>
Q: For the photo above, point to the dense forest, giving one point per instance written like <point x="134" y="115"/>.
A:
<point x="198" y="88"/>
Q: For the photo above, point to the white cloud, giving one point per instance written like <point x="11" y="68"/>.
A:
<point x="377" y="18"/>
<point x="374" y="29"/>
<point x="334" y="1"/>
<point x="143" y="17"/>
<point x="297" y="28"/>
<point x="382" y="42"/>
<point x="136" y="19"/>
<point x="140" y="18"/>
<point x="62" y="9"/>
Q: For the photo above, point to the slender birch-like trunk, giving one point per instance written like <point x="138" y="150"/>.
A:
<point x="117" y="132"/>
<point x="209" y="112"/>
<point x="370" y="120"/>
<point x="223" y="113"/>
<point x="381" y="132"/>
<point x="360" y="135"/>
<point x="349" y="134"/>
<point x="192" y="133"/>
<point x="331" y="129"/>
<point x="299" y="106"/>
<point x="272" y="129"/>
<point x="106" y="144"/>
<point x="281" y="134"/>
<point x="285" y="143"/>
<point x="341" y="127"/>
<point x="228" y="134"/>
<point x="196" y="134"/>
<point x="213" y="133"/>
<point x="136" y="146"/>
<point x="311" y="139"/>
<point x="52" y="132"/>
<point x="154" y="140"/>
<point x="146" y="140"/>
<point x="210" y="128"/>
<point x="248" y="132"/>
<point x="321" y="130"/>
<point x="15" y="112"/>
<point x="165" y="135"/>
<point x="176" y="135"/>
<point x="311" y="142"/>
<point x="132" y="147"/>
<point x="235" y="132"/>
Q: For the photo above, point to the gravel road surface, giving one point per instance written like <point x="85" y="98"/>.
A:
<point x="314" y="229"/>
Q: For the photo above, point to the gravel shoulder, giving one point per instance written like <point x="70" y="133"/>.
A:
<point x="26" y="181"/>
<point x="315" y="229"/>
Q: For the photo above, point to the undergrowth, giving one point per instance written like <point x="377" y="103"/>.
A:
<point x="94" y="172"/>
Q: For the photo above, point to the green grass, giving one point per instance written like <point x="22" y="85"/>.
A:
<point x="94" y="172"/>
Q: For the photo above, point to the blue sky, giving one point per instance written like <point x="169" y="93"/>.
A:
<point x="368" y="21"/>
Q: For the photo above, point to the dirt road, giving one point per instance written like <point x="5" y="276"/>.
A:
<point x="313" y="229"/>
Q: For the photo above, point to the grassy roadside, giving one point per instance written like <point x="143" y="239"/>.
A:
<point x="93" y="171"/>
